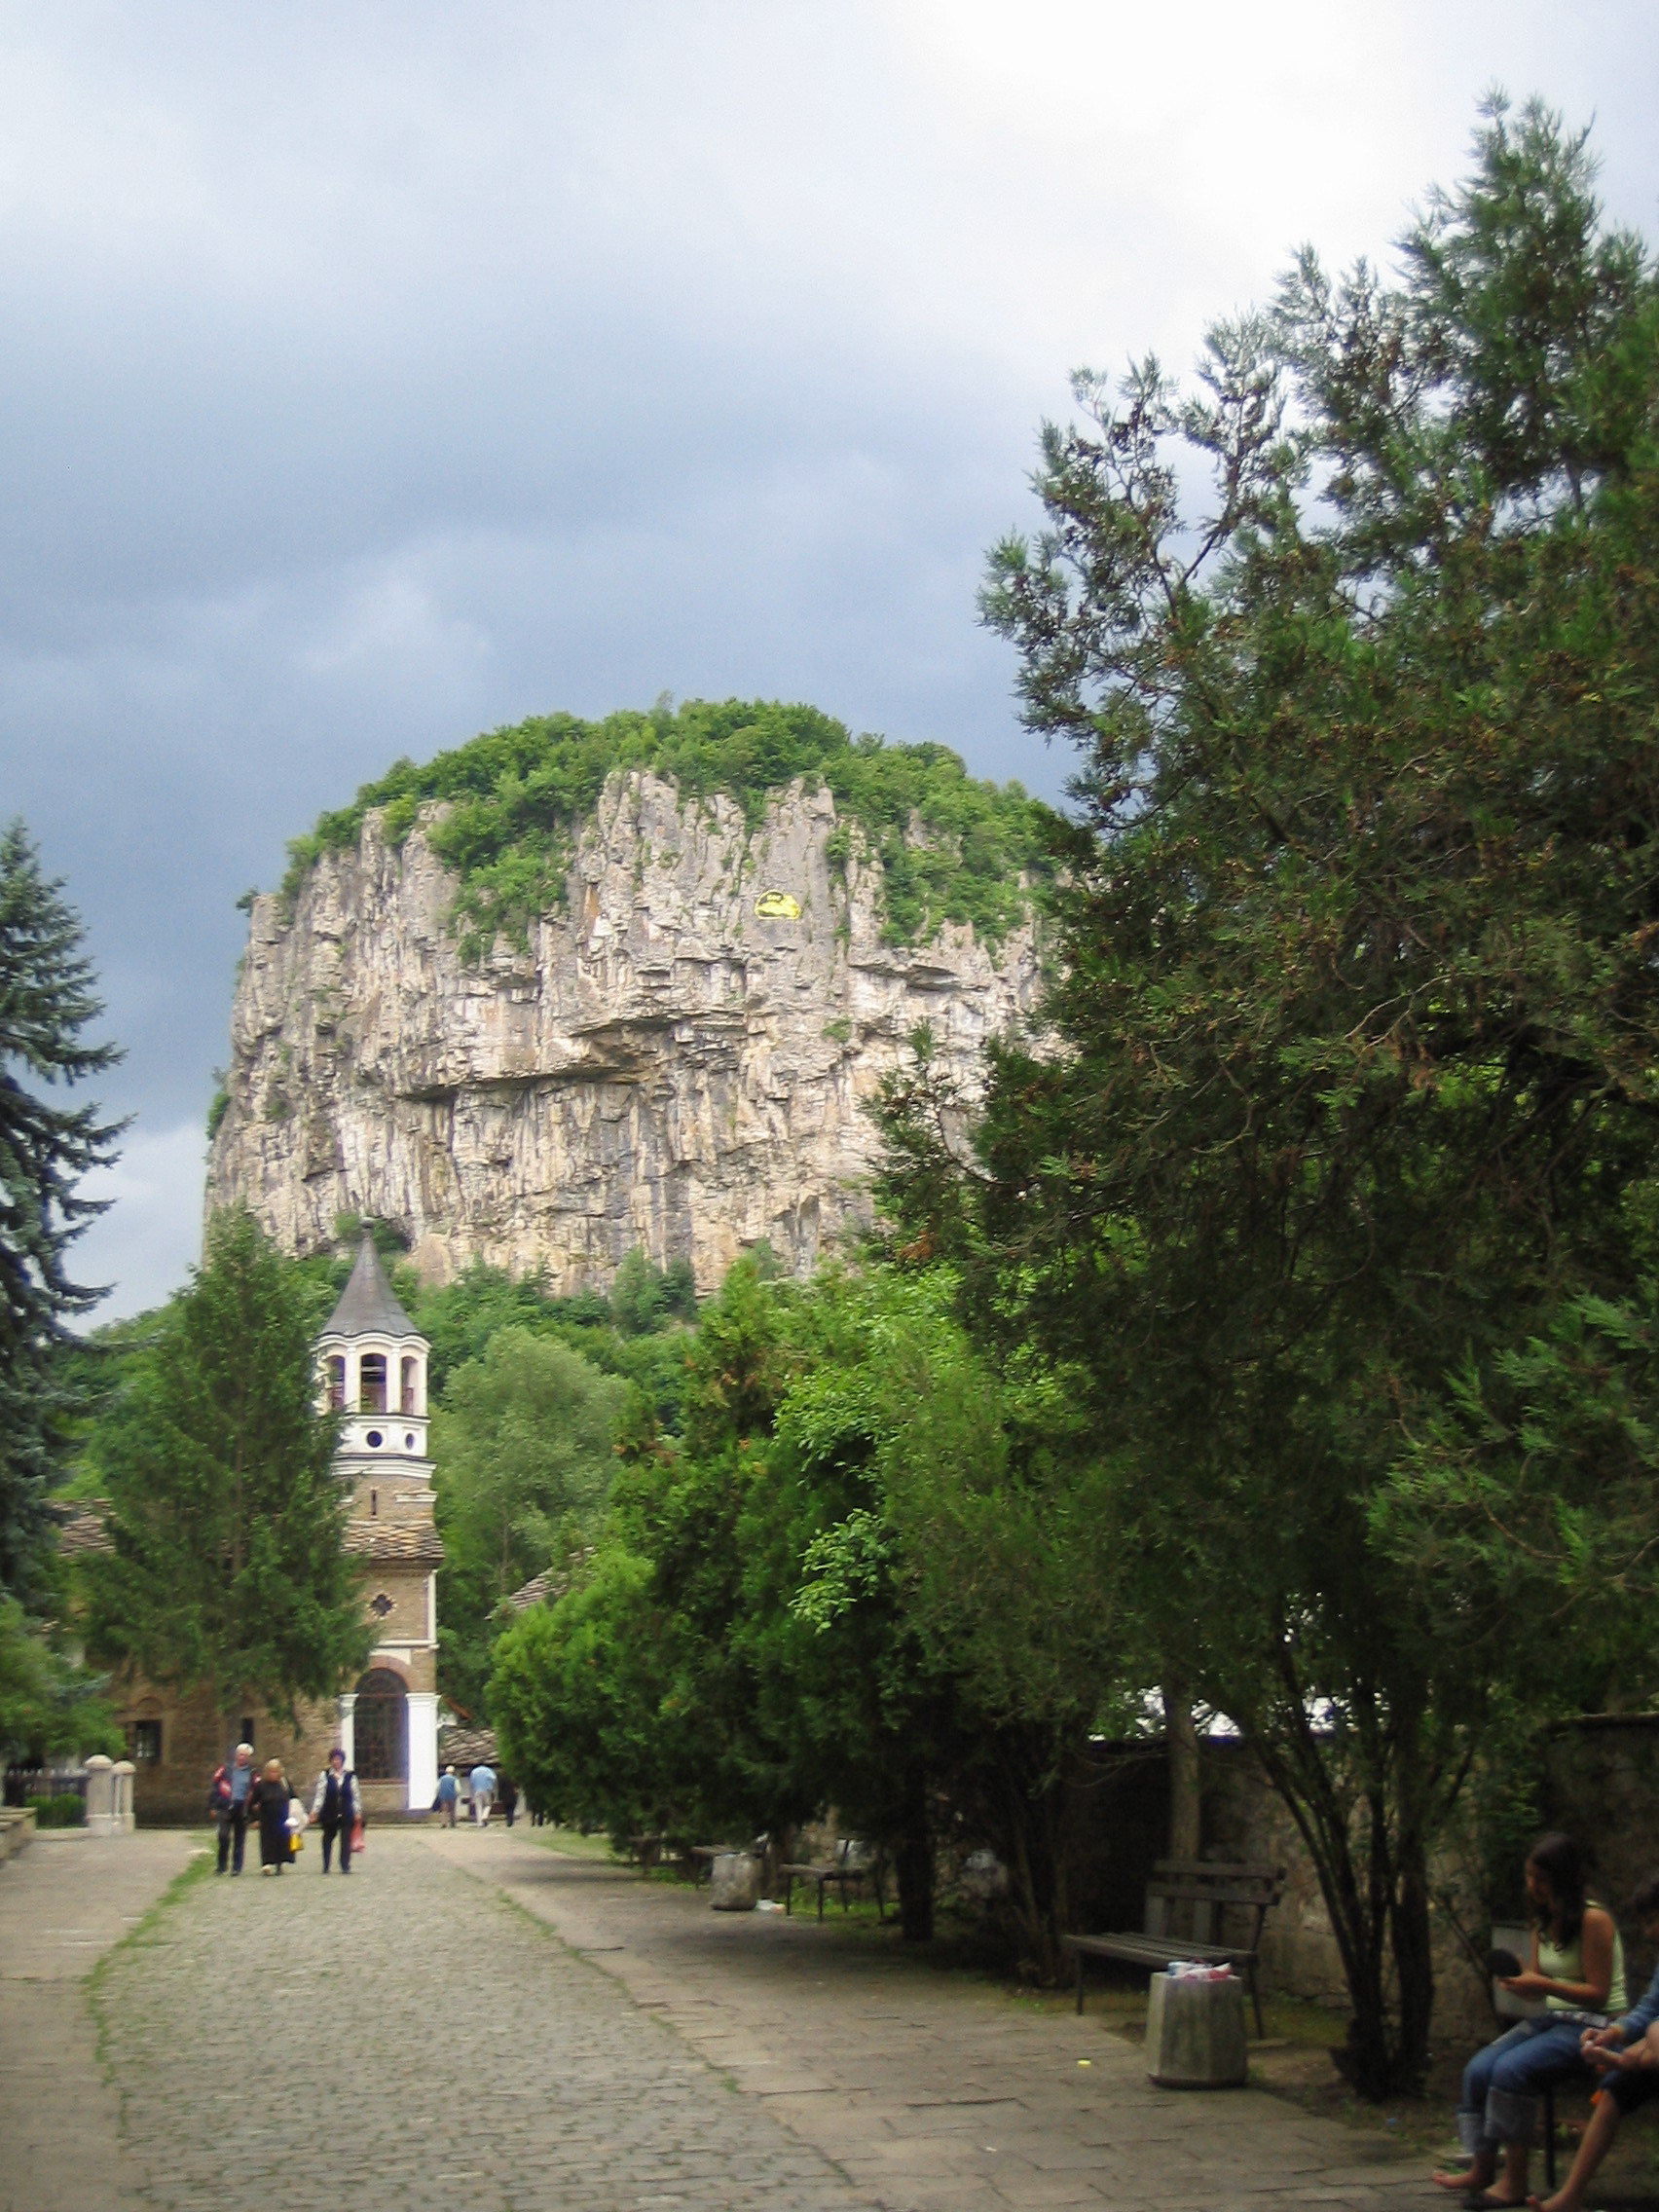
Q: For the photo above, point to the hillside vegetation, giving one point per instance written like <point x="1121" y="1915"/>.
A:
<point x="516" y="796"/>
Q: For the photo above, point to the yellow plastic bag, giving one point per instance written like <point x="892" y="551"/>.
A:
<point x="296" y="1841"/>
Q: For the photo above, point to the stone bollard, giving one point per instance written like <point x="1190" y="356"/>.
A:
<point x="100" y="1795"/>
<point x="734" y="1882"/>
<point x="124" y="1818"/>
<point x="1195" y="2033"/>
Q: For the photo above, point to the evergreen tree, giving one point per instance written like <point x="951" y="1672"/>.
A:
<point x="1341" y="1191"/>
<point x="47" y="999"/>
<point x="229" y="1571"/>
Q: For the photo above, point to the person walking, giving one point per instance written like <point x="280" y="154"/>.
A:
<point x="227" y="1807"/>
<point x="269" y="1801"/>
<point x="449" y="1790"/>
<point x="509" y="1798"/>
<point x="483" y="1780"/>
<point x="335" y="1806"/>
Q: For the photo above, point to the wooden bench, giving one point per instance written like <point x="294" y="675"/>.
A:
<point x="1207" y="1888"/>
<point x="840" y="1871"/>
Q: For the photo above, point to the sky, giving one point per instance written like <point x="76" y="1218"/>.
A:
<point x="376" y="374"/>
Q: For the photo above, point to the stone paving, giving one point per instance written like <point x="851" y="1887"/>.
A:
<point x="406" y="2037"/>
<point x="412" y="2038"/>
<point x="64" y="1903"/>
<point x="932" y="2092"/>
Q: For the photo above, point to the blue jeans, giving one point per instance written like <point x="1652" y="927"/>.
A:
<point x="1500" y="2084"/>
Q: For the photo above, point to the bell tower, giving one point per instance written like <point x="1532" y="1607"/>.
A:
<point x="372" y="1364"/>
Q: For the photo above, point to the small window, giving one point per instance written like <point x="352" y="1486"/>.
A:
<point x="409" y="1441"/>
<point x="379" y="1606"/>
<point x="146" y="1742"/>
<point x="411" y="1383"/>
<point x="336" y="1372"/>
<point x="374" y="1504"/>
<point x="371" y="1383"/>
<point x="373" y="1440"/>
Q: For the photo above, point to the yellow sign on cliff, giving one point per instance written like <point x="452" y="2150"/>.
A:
<point x="778" y="906"/>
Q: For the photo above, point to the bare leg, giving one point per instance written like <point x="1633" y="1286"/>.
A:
<point x="1603" y="2126"/>
<point x="1476" y="2175"/>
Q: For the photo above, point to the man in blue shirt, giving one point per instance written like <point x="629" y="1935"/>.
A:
<point x="483" y="1780"/>
<point x="1626" y="2056"/>
<point x="227" y="1803"/>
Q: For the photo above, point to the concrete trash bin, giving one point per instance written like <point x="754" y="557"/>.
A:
<point x="1195" y="2033"/>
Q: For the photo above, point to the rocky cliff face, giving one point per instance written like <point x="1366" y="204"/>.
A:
<point x="663" y="1066"/>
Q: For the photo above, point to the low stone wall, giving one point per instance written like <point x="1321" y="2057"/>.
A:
<point x="1599" y="1781"/>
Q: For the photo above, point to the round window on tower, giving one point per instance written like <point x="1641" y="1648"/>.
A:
<point x="374" y="1439"/>
<point x="409" y="1441"/>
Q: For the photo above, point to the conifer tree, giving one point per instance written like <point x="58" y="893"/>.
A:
<point x="229" y="1571"/>
<point x="47" y="999"/>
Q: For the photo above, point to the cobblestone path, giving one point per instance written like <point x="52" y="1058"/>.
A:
<point x="407" y="2038"/>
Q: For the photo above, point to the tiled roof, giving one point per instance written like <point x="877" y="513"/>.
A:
<point x="463" y="1748"/>
<point x="367" y="1307"/>
<point x="81" y="1531"/>
<point x="548" y="1587"/>
<point x="416" y="1543"/>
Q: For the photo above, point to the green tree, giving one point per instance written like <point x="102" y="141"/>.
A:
<point x="524" y="1450"/>
<point x="227" y="1571"/>
<point x="46" y="999"/>
<point x="1359" y="1011"/>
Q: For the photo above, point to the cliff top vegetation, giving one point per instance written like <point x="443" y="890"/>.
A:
<point x="516" y="796"/>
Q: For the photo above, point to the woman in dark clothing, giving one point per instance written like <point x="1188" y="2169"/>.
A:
<point x="336" y="1808"/>
<point x="268" y="1802"/>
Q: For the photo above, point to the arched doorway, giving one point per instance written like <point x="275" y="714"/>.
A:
<point x="380" y="1727"/>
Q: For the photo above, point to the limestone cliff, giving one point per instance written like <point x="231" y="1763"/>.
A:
<point x="661" y="1066"/>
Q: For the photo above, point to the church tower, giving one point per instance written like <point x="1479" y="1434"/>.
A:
<point x="373" y="1364"/>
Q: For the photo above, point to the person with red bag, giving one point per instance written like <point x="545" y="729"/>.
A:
<point x="337" y="1809"/>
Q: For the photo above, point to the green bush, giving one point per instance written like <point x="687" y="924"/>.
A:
<point x="514" y="798"/>
<point x="58" y="1812"/>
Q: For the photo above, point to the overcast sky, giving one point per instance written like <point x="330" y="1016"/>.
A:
<point x="376" y="374"/>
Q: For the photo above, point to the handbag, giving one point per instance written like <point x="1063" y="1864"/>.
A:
<point x="356" y="1835"/>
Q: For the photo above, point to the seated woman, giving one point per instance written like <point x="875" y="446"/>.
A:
<point x="1576" y="1966"/>
<point x="1627" y="2057"/>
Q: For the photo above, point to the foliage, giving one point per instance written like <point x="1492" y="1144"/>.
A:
<point x="1339" y="1190"/>
<point x="46" y="999"/>
<point x="65" y="1811"/>
<point x="787" y="1609"/>
<point x="516" y="796"/>
<point x="49" y="1707"/>
<point x="524" y="1442"/>
<point x="227" y="1571"/>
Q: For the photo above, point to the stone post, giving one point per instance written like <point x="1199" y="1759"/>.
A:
<point x="100" y="1795"/>
<point x="124" y="1818"/>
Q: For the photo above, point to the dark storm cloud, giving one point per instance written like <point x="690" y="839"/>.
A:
<point x="375" y="374"/>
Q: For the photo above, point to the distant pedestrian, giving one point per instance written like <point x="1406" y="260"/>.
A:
<point x="509" y="1797"/>
<point x="227" y="1806"/>
<point x="449" y="1790"/>
<point x="483" y="1780"/>
<point x="335" y="1807"/>
<point x="268" y="1799"/>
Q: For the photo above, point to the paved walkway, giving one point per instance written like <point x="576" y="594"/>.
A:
<point x="64" y="1903"/>
<point x="410" y="2037"/>
<point x="931" y="2093"/>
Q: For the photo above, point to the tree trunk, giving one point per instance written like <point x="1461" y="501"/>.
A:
<point x="1184" y="1804"/>
<point x="915" y="1861"/>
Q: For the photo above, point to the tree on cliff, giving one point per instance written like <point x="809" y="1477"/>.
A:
<point x="1342" y="1190"/>
<point x="46" y="999"/>
<point x="228" y="1571"/>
